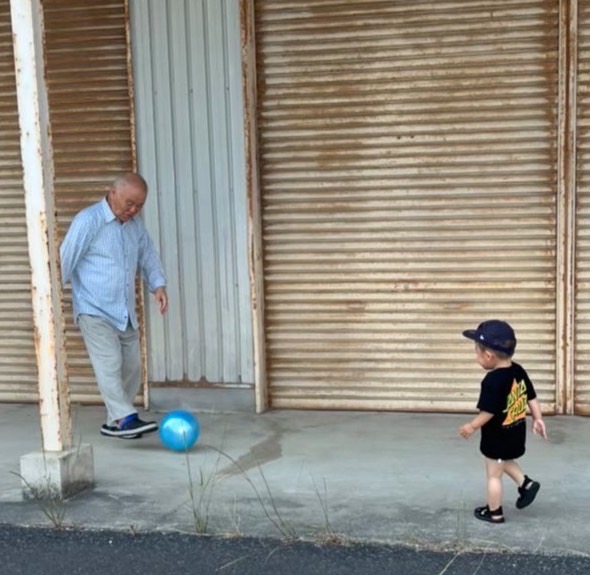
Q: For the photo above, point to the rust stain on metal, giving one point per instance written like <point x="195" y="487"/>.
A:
<point x="356" y="305"/>
<point x="249" y="95"/>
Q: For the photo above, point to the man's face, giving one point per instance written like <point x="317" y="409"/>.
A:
<point x="126" y="200"/>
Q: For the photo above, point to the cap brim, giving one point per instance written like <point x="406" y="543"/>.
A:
<point x="474" y="335"/>
<point x="470" y="334"/>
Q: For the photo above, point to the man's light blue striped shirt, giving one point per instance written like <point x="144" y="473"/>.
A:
<point x="101" y="257"/>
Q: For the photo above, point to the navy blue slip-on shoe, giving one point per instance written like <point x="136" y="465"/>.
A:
<point x="110" y="431"/>
<point x="129" y="427"/>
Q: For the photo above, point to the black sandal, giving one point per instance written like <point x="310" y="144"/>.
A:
<point x="527" y="492"/>
<point x="485" y="514"/>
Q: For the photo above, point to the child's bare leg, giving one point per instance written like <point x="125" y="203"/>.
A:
<point x="494" y="471"/>
<point x="513" y="470"/>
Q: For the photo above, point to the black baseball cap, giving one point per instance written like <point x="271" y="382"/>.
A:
<point x="494" y="334"/>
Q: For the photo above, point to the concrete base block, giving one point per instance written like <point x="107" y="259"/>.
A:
<point x="57" y="474"/>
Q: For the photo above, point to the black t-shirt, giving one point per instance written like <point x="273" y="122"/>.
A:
<point x="505" y="392"/>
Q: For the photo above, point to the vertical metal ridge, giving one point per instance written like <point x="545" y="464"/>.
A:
<point x="566" y="193"/>
<point x="581" y="313"/>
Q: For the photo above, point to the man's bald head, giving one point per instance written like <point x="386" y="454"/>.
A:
<point x="131" y="180"/>
<point x="127" y="196"/>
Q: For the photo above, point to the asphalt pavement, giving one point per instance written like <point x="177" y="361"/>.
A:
<point x="33" y="551"/>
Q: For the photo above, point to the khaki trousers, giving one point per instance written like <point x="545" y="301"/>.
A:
<point x="116" y="359"/>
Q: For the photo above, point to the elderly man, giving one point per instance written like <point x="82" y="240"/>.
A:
<point x="104" y="248"/>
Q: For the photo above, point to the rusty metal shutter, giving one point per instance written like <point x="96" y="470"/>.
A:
<point x="582" y="251"/>
<point x="18" y="365"/>
<point x="408" y="182"/>
<point x="90" y="110"/>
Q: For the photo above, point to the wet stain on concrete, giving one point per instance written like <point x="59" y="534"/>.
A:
<point x="266" y="450"/>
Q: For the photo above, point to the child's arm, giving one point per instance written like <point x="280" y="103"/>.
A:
<point x="538" y="423"/>
<point x="480" y="420"/>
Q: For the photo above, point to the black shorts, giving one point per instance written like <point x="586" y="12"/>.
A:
<point x="503" y="443"/>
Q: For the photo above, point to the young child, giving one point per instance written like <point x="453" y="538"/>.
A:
<point x="506" y="390"/>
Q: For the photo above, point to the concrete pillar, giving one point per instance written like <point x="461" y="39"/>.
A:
<point x="59" y="468"/>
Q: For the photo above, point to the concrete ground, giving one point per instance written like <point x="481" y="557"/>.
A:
<point x="388" y="477"/>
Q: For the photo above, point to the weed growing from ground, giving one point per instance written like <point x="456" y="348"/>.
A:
<point x="48" y="499"/>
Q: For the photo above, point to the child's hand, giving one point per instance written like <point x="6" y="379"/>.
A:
<point x="539" y="428"/>
<point x="466" y="431"/>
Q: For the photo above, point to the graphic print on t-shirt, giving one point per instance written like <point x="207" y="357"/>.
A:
<point x="516" y="403"/>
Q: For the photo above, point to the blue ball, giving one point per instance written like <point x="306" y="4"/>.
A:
<point x="179" y="430"/>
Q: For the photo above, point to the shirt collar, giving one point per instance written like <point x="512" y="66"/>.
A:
<point x="106" y="211"/>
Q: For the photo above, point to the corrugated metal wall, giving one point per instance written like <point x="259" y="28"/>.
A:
<point x="582" y="276"/>
<point x="408" y="167"/>
<point x="349" y="161"/>
<point x="18" y="364"/>
<point x="190" y="147"/>
<point x="90" y="111"/>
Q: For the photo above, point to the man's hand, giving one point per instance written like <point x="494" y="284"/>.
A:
<point x="161" y="298"/>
